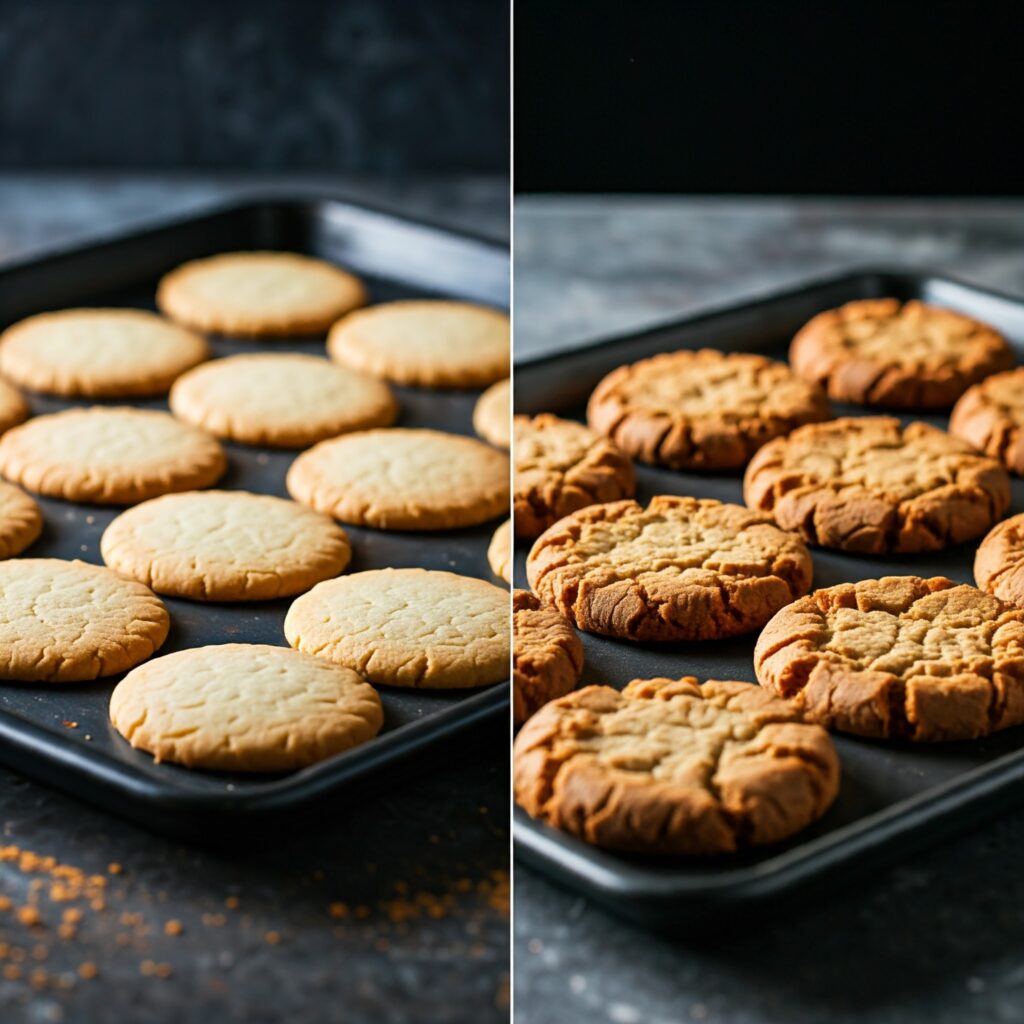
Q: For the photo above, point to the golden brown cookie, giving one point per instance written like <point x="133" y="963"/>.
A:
<point x="547" y="656"/>
<point x="679" y="569"/>
<point x="492" y="414"/>
<point x="897" y="355"/>
<point x="702" y="410"/>
<point x="672" y="767"/>
<point x="990" y="416"/>
<point x="898" y="658"/>
<point x="13" y="408"/>
<point x="21" y="521"/>
<point x="869" y="484"/>
<point x="999" y="562"/>
<point x="499" y="552"/>
<point x="562" y="466"/>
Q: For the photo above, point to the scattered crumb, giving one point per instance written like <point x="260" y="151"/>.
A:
<point x="173" y="927"/>
<point x="87" y="970"/>
<point x="114" y="869"/>
<point x="231" y="903"/>
<point x="273" y="938"/>
<point x="69" y="725"/>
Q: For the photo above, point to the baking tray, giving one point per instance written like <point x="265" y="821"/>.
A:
<point x="894" y="798"/>
<point x="399" y="258"/>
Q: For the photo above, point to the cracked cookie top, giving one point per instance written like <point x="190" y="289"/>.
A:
<point x="999" y="562"/>
<point x="547" y="656"/>
<point x="990" y="416"/>
<point x="21" y="520"/>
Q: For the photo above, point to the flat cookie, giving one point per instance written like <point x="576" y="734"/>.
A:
<point x="64" y="622"/>
<point x="560" y="467"/>
<point x="499" y="551"/>
<point x="98" y="353"/>
<point x="402" y="480"/>
<point x="702" y="410"/>
<point x="225" y="546"/>
<point x="672" y="767"/>
<point x="280" y="400"/>
<point x="679" y="569"/>
<point x="428" y="344"/>
<point x="897" y="355"/>
<point x="109" y="455"/>
<point x="406" y="627"/>
<point x="244" y="708"/>
<point x="13" y="408"/>
<point x="898" y="658"/>
<point x="999" y="562"/>
<point x="990" y="416"/>
<point x="870" y="485"/>
<point x="547" y="656"/>
<point x="21" y="521"/>
<point x="492" y="414"/>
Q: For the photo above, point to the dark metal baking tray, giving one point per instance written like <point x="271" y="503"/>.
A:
<point x="894" y="798"/>
<point x="399" y="258"/>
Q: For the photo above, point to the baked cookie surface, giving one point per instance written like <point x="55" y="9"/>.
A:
<point x="990" y="416"/>
<point x="244" y="708"/>
<point x="870" y="485"/>
<point x="673" y="767"/>
<point x="21" y="521"/>
<point x="897" y="355"/>
<point x="225" y="546"/>
<point x="547" y="656"/>
<point x="13" y="407"/>
<point x="898" y="658"/>
<point x="679" y="569"/>
<point x="703" y="410"/>
<point x="999" y="561"/>
<point x="492" y="414"/>
<point x="499" y="552"/>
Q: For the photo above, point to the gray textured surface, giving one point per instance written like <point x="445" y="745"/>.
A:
<point x="937" y="939"/>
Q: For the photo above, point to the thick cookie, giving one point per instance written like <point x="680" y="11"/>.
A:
<point x="286" y="400"/>
<point x="492" y="414"/>
<point x="499" y="552"/>
<point x="429" y="344"/>
<point x="702" y="410"/>
<point x="225" y="546"/>
<point x="21" y="522"/>
<point x="244" y="708"/>
<point x="999" y="562"/>
<point x="109" y="455"/>
<point x="990" y="416"/>
<point x="869" y="484"/>
<point x="259" y="294"/>
<point x="898" y="658"/>
<point x="897" y="355"/>
<point x="547" y="656"/>
<point x="98" y="353"/>
<point x="560" y="467"/>
<point x="402" y="480"/>
<point x="64" y="622"/>
<point x="679" y="569"/>
<point x="406" y="627"/>
<point x="13" y="408"/>
<point x="672" y="767"/>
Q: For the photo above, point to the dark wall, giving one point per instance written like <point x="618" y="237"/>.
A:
<point x="374" y="86"/>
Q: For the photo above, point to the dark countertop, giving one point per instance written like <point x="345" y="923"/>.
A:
<point x="393" y="907"/>
<point x="939" y="938"/>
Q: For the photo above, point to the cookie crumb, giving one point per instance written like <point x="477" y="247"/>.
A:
<point x="173" y="927"/>
<point x="88" y="970"/>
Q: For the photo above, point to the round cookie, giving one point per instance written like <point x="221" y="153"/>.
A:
<point x="547" y="656"/>
<point x="64" y="622"/>
<point x="897" y="355"/>
<point x="702" y="410"/>
<point x="109" y="455"/>
<point x="999" y="562"/>
<point x="679" y="569"/>
<point x="492" y="413"/>
<point x="98" y="353"/>
<point x="870" y="485"/>
<point x="673" y="767"/>
<point x="244" y="708"/>
<point x="898" y="658"/>
<point x="499" y="551"/>
<point x="259" y="294"/>
<point x="562" y="466"/>
<point x="402" y="480"/>
<point x="425" y="343"/>
<point x="225" y="546"/>
<point x="406" y="627"/>
<point x="21" y="521"/>
<point x="990" y="416"/>
<point x="283" y="400"/>
<point x="13" y="408"/>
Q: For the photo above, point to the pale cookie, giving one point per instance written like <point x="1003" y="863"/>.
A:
<point x="999" y="562"/>
<point x="673" y="767"/>
<point x="225" y="546"/>
<point x="897" y="355"/>
<point x="870" y="485"/>
<point x="898" y="658"/>
<point x="21" y="521"/>
<point x="64" y="622"/>
<point x="407" y="627"/>
<point x="547" y="656"/>
<point x="109" y="455"/>
<point x="244" y="708"/>
<point x="990" y="416"/>
<point x="562" y="466"/>
<point x="429" y="344"/>
<point x="259" y="294"/>
<point x="403" y="480"/>
<point x="499" y="552"/>
<point x="492" y="414"/>
<point x="679" y="569"/>
<point x="13" y="408"/>
<point x="280" y="400"/>
<point x="702" y="410"/>
<point x="98" y="353"/>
